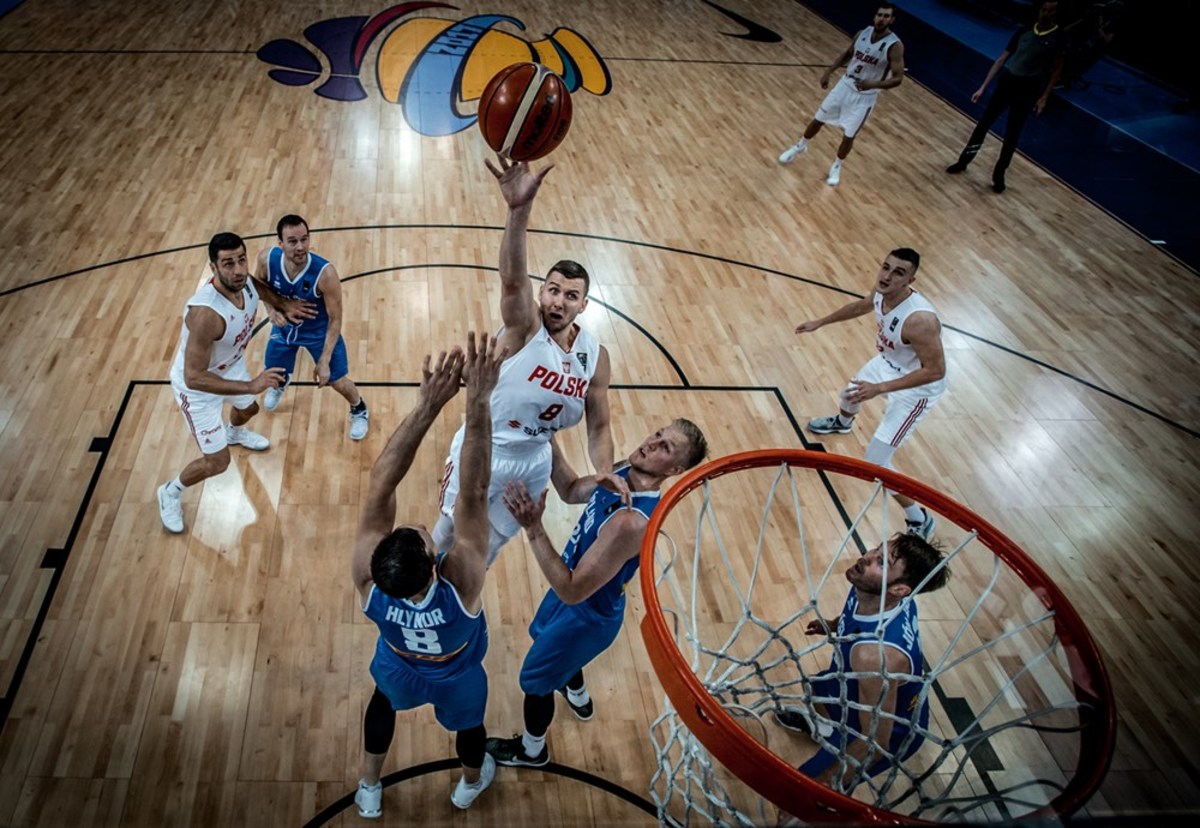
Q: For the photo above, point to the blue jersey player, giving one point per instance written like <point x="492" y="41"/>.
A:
<point x="428" y="607"/>
<point x="582" y="612"/>
<point x="876" y="635"/>
<point x="294" y="271"/>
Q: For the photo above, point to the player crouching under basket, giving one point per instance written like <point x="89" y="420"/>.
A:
<point x="876" y="668"/>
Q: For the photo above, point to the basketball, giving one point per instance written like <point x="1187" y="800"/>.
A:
<point x="525" y="111"/>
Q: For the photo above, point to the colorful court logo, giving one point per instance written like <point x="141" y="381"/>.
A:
<point x="430" y="66"/>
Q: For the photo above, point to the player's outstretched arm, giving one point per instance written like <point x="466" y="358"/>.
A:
<point x="848" y="311"/>
<point x="466" y="563"/>
<point x="440" y="381"/>
<point x="519" y="185"/>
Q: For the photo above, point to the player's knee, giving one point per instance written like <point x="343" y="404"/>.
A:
<point x="249" y="411"/>
<point x="880" y="453"/>
<point x="217" y="463"/>
<point x="844" y="401"/>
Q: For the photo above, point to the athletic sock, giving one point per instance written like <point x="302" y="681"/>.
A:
<point x="914" y="514"/>
<point x="843" y="420"/>
<point x="578" y="697"/>
<point x="802" y="144"/>
<point x="175" y="487"/>
<point x="360" y="407"/>
<point x="837" y="165"/>
<point x="532" y="745"/>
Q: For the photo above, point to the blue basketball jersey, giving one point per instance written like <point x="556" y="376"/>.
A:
<point x="609" y="600"/>
<point x="436" y="638"/>
<point x="304" y="286"/>
<point x="896" y="628"/>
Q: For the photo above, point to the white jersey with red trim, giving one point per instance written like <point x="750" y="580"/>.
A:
<point x="889" y="326"/>
<point x="542" y="389"/>
<point x="870" y="60"/>
<point x="230" y="349"/>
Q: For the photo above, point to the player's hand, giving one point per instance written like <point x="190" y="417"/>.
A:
<point x="976" y="95"/>
<point x="524" y="509"/>
<point x="270" y="378"/>
<point x="863" y="85"/>
<point x="808" y="327"/>
<point x="518" y="183"/>
<point x="617" y="485"/>
<point x="277" y="318"/>
<point x="1040" y="105"/>
<point x="818" y="626"/>
<point x="321" y="374"/>
<point x="482" y="367"/>
<point x="825" y="80"/>
<point x="862" y="391"/>
<point x="297" y="310"/>
<point x="440" y="381"/>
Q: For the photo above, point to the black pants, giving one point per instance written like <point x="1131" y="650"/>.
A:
<point x="1019" y="96"/>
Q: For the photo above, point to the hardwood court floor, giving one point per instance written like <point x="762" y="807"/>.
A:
<point x="218" y="677"/>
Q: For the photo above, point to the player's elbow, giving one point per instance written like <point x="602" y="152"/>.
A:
<point x="571" y="596"/>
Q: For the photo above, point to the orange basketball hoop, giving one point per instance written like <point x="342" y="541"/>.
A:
<point x="734" y="653"/>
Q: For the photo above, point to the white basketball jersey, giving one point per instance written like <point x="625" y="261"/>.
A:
<point x="870" y="61"/>
<point x="890" y="327"/>
<point x="542" y="389"/>
<point x="229" y="350"/>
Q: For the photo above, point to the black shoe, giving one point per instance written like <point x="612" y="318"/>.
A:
<point x="998" y="184"/>
<point x="583" y="712"/>
<point x="511" y="752"/>
<point x="793" y="719"/>
<point x="957" y="167"/>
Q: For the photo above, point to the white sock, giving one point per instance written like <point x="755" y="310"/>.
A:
<point x="837" y="165"/>
<point x="175" y="487"/>
<point x="532" y="745"/>
<point x="802" y="143"/>
<point x="578" y="697"/>
<point x="843" y="420"/>
<point x="914" y="514"/>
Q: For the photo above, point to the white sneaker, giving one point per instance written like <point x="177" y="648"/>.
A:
<point x="359" y="423"/>
<point x="242" y="436"/>
<point x="170" y="509"/>
<point x="274" y="395"/>
<point x="369" y="800"/>
<point x="464" y="794"/>
<point x="835" y="176"/>
<point x="791" y="152"/>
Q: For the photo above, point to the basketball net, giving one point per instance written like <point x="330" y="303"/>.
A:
<point x="1014" y="714"/>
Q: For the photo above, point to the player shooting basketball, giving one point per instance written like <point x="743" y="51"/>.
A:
<point x="556" y="373"/>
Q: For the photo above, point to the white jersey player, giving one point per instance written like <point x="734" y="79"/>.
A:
<point x="909" y="368"/>
<point x="876" y="62"/>
<point x="210" y="368"/>
<point x="556" y="373"/>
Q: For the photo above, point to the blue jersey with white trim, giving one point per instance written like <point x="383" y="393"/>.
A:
<point x="303" y="286"/>
<point x="895" y="628"/>
<point x="608" y="600"/>
<point x="437" y="637"/>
